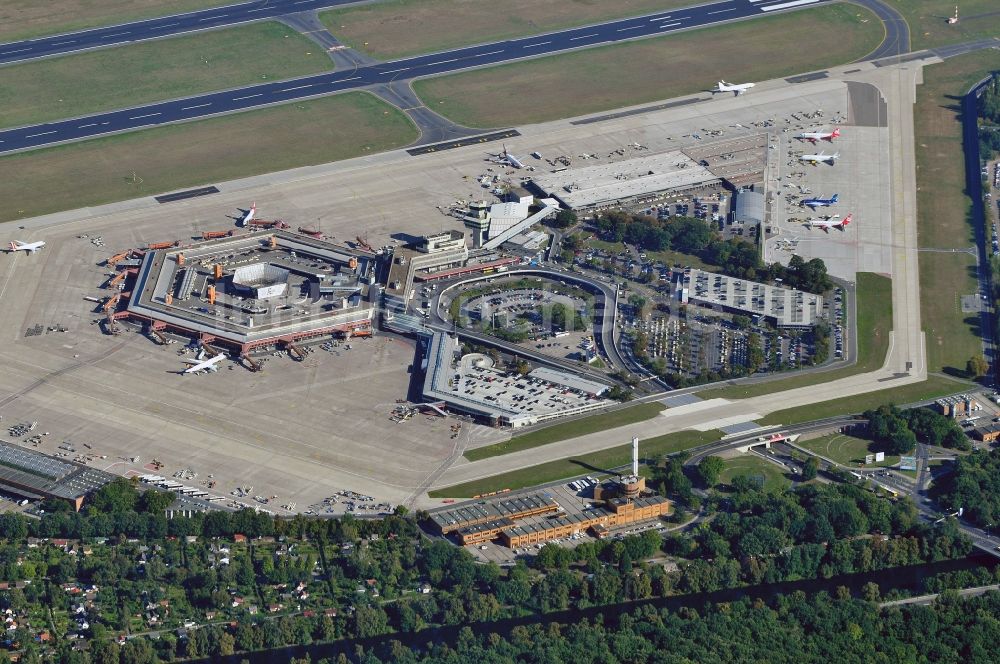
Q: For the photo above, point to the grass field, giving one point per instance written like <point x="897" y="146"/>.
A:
<point x="21" y="19"/>
<point x="602" y="461"/>
<point x="397" y="28"/>
<point x="874" y="294"/>
<point x="572" y="429"/>
<point x="115" y="78"/>
<point x="952" y="337"/>
<point x="213" y="150"/>
<point x="846" y="450"/>
<point x="774" y="477"/>
<point x="928" y="21"/>
<point x="944" y="210"/>
<point x="563" y="85"/>
<point x="933" y="387"/>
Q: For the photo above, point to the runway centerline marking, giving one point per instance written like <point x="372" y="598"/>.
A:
<point x="147" y="115"/>
<point x="188" y="108"/>
<point x="538" y="44"/>
<point x="669" y="25"/>
<point x="92" y="124"/>
<point x="731" y="9"/>
<point x="582" y="37"/>
<point x="44" y="133"/>
<point x="71" y="41"/>
<point x="634" y="27"/>
<point x="300" y="87"/>
<point x="431" y="64"/>
<point x="20" y="50"/>
<point x="117" y="34"/>
<point x="490" y="53"/>
<point x="259" y="94"/>
<point x="161" y="27"/>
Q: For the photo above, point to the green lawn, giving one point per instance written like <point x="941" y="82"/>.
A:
<point x="952" y="336"/>
<point x="572" y="429"/>
<point x="195" y="153"/>
<point x="874" y="294"/>
<point x="108" y="79"/>
<point x="928" y="21"/>
<point x="846" y="450"/>
<point x="602" y="461"/>
<point x="774" y="477"/>
<point x="933" y="387"/>
<point x="22" y="19"/>
<point x="944" y="210"/>
<point x="396" y="28"/>
<point x="563" y="85"/>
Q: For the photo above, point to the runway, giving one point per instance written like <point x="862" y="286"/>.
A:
<point x="256" y="96"/>
<point x="157" y="28"/>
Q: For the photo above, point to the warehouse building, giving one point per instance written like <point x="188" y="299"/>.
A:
<point x="39" y="477"/>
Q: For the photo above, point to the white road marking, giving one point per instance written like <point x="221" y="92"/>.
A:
<point x="660" y="18"/>
<point x="634" y="27"/>
<point x="117" y="34"/>
<point x="92" y="124"/>
<point x="71" y="41"/>
<point x="431" y="64"/>
<point x="583" y="37"/>
<point x="147" y="115"/>
<point x="720" y="11"/>
<point x="670" y="25"/>
<point x="188" y="108"/>
<point x="353" y="78"/>
<point x="296" y="88"/>
<point x="259" y="94"/>
<point x="44" y="133"/>
<point x="786" y="5"/>
<point x="20" y="50"/>
<point x="393" y="71"/>
<point x="161" y="27"/>
<point x="538" y="44"/>
<point x="249" y="11"/>
<point x="490" y="53"/>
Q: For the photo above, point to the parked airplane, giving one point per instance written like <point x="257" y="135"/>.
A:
<point x="510" y="159"/>
<point x="815" y="159"/>
<point x="736" y="88"/>
<point x="826" y="223"/>
<point x="204" y="365"/>
<point x="248" y="217"/>
<point x="820" y="202"/>
<point x="30" y="247"/>
<point x="814" y="136"/>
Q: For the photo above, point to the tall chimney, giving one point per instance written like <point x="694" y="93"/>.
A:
<point x="635" y="456"/>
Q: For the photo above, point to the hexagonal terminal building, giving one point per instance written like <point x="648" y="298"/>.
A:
<point x="255" y="291"/>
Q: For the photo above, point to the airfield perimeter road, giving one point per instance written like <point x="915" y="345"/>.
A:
<point x="157" y="28"/>
<point x="905" y="361"/>
<point x="241" y="99"/>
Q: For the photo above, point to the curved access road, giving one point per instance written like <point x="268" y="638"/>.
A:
<point x="256" y="96"/>
<point x="896" y="41"/>
<point x="157" y="28"/>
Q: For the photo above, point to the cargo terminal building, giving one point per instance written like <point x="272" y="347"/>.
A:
<point x="38" y="477"/>
<point x="255" y="291"/>
<point x="535" y="518"/>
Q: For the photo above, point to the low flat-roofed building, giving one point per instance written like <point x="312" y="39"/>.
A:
<point x="785" y="307"/>
<point x="493" y="510"/>
<point x="749" y="207"/>
<point x="988" y="433"/>
<point x="624" y="181"/>
<point x="570" y="381"/>
<point x="617" y="512"/>
<point x="37" y="476"/>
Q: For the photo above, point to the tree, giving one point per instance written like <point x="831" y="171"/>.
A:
<point x="564" y="219"/>
<point x="810" y="469"/>
<point x="710" y="468"/>
<point x="977" y="366"/>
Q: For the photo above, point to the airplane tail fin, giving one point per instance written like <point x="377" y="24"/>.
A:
<point x="835" y="198"/>
<point x="836" y="133"/>
<point x="14" y="245"/>
<point x="835" y="155"/>
<point x="847" y="221"/>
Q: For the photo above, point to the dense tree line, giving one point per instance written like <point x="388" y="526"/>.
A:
<point x="973" y="484"/>
<point x="899" y="430"/>
<point x="694" y="237"/>
<point x="791" y="629"/>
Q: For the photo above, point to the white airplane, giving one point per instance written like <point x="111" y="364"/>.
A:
<point x="814" y="136"/>
<point x="198" y="366"/>
<point x="248" y="217"/>
<point x="30" y="247"/>
<point x="822" y="157"/>
<point x="826" y="223"/>
<point x="736" y="88"/>
<point x="509" y="159"/>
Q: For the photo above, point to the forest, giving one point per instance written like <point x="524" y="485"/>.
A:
<point x="973" y="484"/>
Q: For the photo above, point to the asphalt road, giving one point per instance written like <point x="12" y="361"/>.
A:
<point x="897" y="32"/>
<point x="241" y="99"/>
<point x="157" y="28"/>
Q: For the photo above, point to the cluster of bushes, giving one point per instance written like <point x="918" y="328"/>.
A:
<point x="899" y="430"/>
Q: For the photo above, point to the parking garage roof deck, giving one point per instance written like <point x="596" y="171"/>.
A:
<point x="787" y="307"/>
